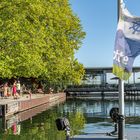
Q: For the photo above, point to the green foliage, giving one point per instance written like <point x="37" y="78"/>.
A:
<point x="77" y="122"/>
<point x="38" y="38"/>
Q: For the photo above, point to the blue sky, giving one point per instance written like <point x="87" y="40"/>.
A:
<point x="99" y="21"/>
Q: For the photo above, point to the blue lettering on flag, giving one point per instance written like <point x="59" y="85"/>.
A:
<point x="135" y="27"/>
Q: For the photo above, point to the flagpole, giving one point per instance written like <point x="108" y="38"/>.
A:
<point x="121" y="125"/>
<point x="119" y="2"/>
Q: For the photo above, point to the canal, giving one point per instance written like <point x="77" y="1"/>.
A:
<point x="85" y="116"/>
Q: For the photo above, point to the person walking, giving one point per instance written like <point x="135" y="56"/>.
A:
<point x="18" y="87"/>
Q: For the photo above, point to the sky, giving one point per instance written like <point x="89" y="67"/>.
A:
<point x="99" y="21"/>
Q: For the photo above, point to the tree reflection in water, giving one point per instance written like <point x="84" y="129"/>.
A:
<point x="42" y="126"/>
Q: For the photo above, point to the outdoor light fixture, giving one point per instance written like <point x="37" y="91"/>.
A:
<point x="114" y="115"/>
<point x="63" y="125"/>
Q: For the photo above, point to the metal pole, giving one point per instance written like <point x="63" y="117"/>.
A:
<point x="134" y="82"/>
<point x="121" y="97"/>
<point x="121" y="125"/>
<point x="118" y="3"/>
<point x="67" y="133"/>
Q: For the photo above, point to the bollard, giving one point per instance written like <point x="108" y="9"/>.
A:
<point x="121" y="133"/>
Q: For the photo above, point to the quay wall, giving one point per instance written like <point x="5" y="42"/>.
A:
<point x="50" y="98"/>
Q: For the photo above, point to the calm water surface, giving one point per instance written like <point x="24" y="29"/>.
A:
<point x="85" y="116"/>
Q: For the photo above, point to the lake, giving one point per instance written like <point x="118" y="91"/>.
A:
<point x="85" y="116"/>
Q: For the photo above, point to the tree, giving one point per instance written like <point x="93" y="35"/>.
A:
<point x="38" y="38"/>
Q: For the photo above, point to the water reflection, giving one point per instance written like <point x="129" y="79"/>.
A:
<point x="85" y="116"/>
<point x="101" y="108"/>
<point x="97" y="117"/>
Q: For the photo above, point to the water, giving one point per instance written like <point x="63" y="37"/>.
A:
<point x="85" y="116"/>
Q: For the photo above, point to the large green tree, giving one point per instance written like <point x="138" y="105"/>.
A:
<point x="38" y="38"/>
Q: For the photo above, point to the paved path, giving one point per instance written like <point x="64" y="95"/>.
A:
<point x="96" y="136"/>
<point x="22" y="98"/>
<point x="130" y="135"/>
